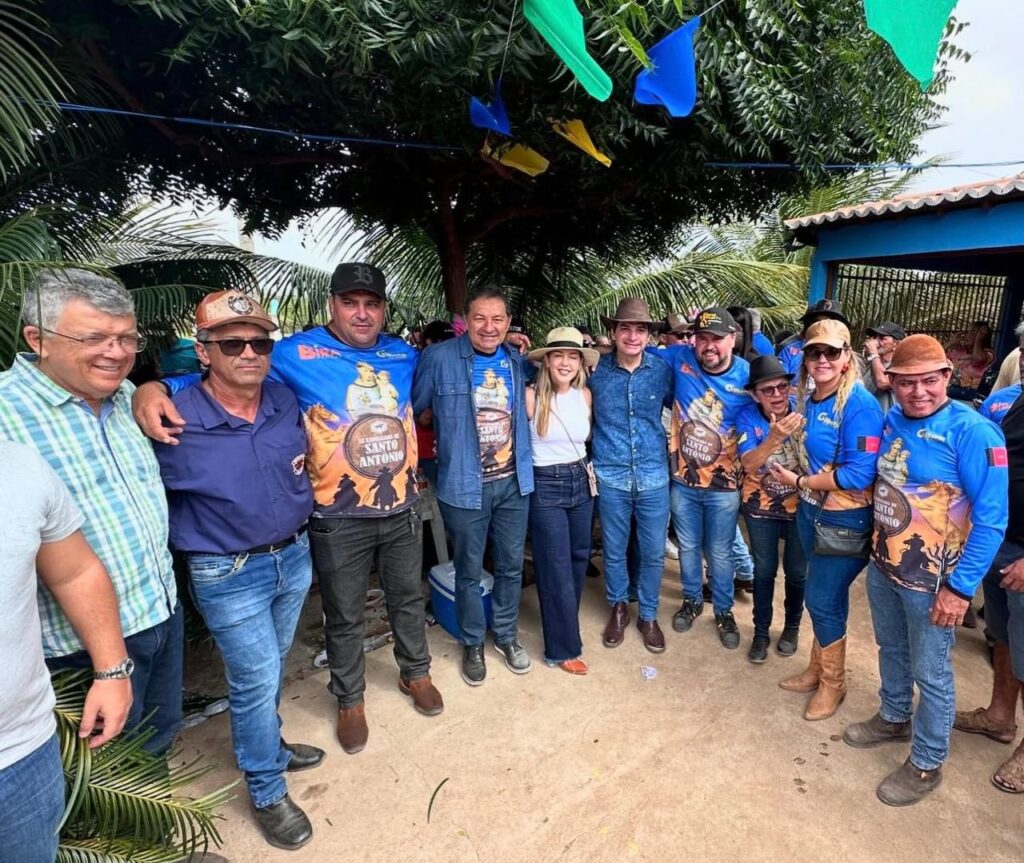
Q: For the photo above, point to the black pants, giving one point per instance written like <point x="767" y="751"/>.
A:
<point x="344" y="552"/>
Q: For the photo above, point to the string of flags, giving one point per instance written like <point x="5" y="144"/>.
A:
<point x="913" y="28"/>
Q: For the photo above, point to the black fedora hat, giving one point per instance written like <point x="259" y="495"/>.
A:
<point x="766" y="368"/>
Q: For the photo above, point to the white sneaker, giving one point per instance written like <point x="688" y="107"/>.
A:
<point x="671" y="549"/>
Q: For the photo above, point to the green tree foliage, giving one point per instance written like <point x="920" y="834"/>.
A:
<point x="780" y="80"/>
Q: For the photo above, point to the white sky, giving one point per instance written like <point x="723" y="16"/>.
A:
<point x="984" y="121"/>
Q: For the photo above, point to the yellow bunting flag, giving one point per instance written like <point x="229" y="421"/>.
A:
<point x="517" y="156"/>
<point x="576" y="133"/>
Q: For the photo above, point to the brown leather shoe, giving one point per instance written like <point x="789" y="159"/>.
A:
<point x="352" y="731"/>
<point x="425" y="697"/>
<point x="615" y="631"/>
<point x="654" y="638"/>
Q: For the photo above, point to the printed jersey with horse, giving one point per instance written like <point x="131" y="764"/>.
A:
<point x="356" y="404"/>
<point x="762" y="496"/>
<point x="702" y="443"/>
<point x="940" y="499"/>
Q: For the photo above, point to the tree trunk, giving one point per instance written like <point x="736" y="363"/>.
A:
<point x="452" y="251"/>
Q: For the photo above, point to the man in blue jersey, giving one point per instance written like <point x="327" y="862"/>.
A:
<point x="940" y="511"/>
<point x="762" y="344"/>
<point x="791" y="351"/>
<point x="999" y="402"/>
<point x="710" y="390"/>
<point x="354" y="386"/>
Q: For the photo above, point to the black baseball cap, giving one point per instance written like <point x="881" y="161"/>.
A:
<point x="358" y="277"/>
<point x="822" y="309"/>
<point x="715" y="320"/>
<point x="887" y="328"/>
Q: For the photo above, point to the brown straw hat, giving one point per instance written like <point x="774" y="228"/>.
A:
<point x="918" y="355"/>
<point x="829" y="332"/>
<point x="633" y="310"/>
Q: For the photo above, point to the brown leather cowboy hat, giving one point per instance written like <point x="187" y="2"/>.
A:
<point x="633" y="310"/>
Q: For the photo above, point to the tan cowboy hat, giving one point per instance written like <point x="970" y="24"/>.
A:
<point x="829" y="332"/>
<point x="633" y="310"/>
<point x="678" y="324"/>
<point x="565" y="339"/>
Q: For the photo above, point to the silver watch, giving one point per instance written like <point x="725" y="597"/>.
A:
<point x="121" y="671"/>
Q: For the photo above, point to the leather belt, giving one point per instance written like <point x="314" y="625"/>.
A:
<point x="276" y="546"/>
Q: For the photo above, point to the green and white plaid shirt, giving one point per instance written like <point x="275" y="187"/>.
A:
<point x="109" y="467"/>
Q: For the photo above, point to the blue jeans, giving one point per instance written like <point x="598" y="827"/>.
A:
<point x="251" y="605"/>
<point x="765" y="534"/>
<point x="742" y="560"/>
<point x="31" y="805"/>
<point x="828" y="577"/>
<point x="502" y="518"/>
<point x="156" y="681"/>
<point x="705" y="522"/>
<point x="913" y="651"/>
<point x="561" y="513"/>
<point x="1004" y="609"/>
<point x="617" y="507"/>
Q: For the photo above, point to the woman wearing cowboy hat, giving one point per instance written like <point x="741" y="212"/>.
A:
<point x="562" y="505"/>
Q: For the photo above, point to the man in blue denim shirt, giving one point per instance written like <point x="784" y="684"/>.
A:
<point x="629" y="388"/>
<point x="473" y="387"/>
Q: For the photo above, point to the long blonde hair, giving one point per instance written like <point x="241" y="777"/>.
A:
<point x="846" y="384"/>
<point x="545" y="392"/>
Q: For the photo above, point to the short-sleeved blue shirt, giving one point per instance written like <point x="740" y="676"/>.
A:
<point x="998" y="403"/>
<point x="791" y="355"/>
<point x="763" y="497"/>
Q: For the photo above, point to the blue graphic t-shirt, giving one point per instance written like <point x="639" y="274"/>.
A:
<point x="791" y="355"/>
<point x="941" y="498"/>
<point x="858" y="432"/>
<point x="996" y="405"/>
<point x="493" y="396"/>
<point x="762" y="496"/>
<point x="762" y="344"/>
<point x="702" y="443"/>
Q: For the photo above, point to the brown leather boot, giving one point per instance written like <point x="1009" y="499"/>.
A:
<point x="832" y="683"/>
<point x="615" y="631"/>
<point x="352" y="731"/>
<point x="425" y="697"/>
<point x="806" y="680"/>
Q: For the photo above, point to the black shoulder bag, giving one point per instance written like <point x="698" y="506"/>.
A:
<point x="835" y="541"/>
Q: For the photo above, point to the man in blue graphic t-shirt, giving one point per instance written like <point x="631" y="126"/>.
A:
<point x="940" y="511"/>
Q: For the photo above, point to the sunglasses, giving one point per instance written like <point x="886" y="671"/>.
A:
<point x="777" y="389"/>
<point x="235" y="347"/>
<point x="818" y="351"/>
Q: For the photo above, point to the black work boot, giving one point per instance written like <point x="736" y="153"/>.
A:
<point x="284" y="825"/>
<point x="303" y="756"/>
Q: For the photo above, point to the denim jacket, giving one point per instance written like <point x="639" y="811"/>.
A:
<point x="444" y="383"/>
<point x="629" y="445"/>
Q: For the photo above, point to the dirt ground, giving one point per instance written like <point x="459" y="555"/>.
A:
<point x="709" y="760"/>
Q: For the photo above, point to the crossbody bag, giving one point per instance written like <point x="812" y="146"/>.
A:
<point x="587" y="465"/>
<point x="833" y="540"/>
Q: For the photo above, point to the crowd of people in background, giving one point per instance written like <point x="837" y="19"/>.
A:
<point x="306" y="456"/>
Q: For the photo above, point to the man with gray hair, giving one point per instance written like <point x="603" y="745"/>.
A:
<point x="69" y="400"/>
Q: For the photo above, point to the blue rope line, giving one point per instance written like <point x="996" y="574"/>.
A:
<point x="859" y="166"/>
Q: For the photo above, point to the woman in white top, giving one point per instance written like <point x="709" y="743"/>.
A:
<point x="561" y="506"/>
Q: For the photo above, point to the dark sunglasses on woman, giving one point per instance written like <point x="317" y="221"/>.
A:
<point x="816" y="352"/>
<point x="235" y="347"/>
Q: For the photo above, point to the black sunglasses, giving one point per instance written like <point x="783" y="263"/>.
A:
<point x="235" y="347"/>
<point x="818" y="351"/>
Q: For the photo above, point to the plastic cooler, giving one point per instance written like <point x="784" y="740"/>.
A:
<point x="442" y="597"/>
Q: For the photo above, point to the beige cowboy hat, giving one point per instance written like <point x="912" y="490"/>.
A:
<point x="565" y="339"/>
<point x="633" y="310"/>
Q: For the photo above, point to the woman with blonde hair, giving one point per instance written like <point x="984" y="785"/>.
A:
<point x="837" y="449"/>
<point x="562" y="504"/>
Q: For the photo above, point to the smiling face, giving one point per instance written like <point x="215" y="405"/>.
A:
<point x="630" y="339"/>
<point x="825" y="364"/>
<point x="487" y="322"/>
<point x="773" y="396"/>
<point x="921" y="395"/>
<point x="357" y="317"/>
<point x="93" y="374"/>
<point x="714" y="352"/>
<point x="563" y="366"/>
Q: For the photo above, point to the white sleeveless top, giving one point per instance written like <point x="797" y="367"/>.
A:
<point x="557" y="447"/>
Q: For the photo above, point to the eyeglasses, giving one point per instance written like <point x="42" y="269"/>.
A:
<point x="236" y="347"/>
<point x="778" y="389"/>
<point x="816" y="352"/>
<point x="131" y="344"/>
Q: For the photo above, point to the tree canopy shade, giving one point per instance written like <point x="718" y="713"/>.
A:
<point x="779" y="80"/>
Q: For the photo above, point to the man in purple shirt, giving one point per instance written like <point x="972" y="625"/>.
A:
<point x="239" y="499"/>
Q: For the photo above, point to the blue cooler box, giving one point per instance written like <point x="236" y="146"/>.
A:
<point x="442" y="597"/>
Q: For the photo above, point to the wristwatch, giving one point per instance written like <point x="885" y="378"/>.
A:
<point x="121" y="671"/>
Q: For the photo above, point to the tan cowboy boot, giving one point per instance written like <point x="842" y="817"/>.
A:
<point x="806" y="680"/>
<point x="832" y="685"/>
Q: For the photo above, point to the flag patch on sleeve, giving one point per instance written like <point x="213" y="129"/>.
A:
<point x="996" y="456"/>
<point x="868" y="444"/>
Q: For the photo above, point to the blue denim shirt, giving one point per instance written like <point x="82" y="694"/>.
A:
<point x="444" y="383"/>
<point x="629" y="444"/>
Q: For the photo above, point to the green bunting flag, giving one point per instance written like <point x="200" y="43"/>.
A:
<point x="561" y="25"/>
<point x="914" y="29"/>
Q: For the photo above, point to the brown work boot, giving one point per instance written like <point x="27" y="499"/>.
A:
<point x="876" y="730"/>
<point x="908" y="785"/>
<point x="425" y="697"/>
<point x="831" y="684"/>
<point x="806" y="680"/>
<point x="352" y="731"/>
<point x="615" y="631"/>
<point x="654" y="638"/>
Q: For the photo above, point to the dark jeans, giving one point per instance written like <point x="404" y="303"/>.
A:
<point x="829" y="577"/>
<point x="502" y="518"/>
<point x="344" y="552"/>
<point x="561" y="510"/>
<point x="156" y="682"/>
<point x="765" y="535"/>
<point x="1004" y="609"/>
<point x="31" y="804"/>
